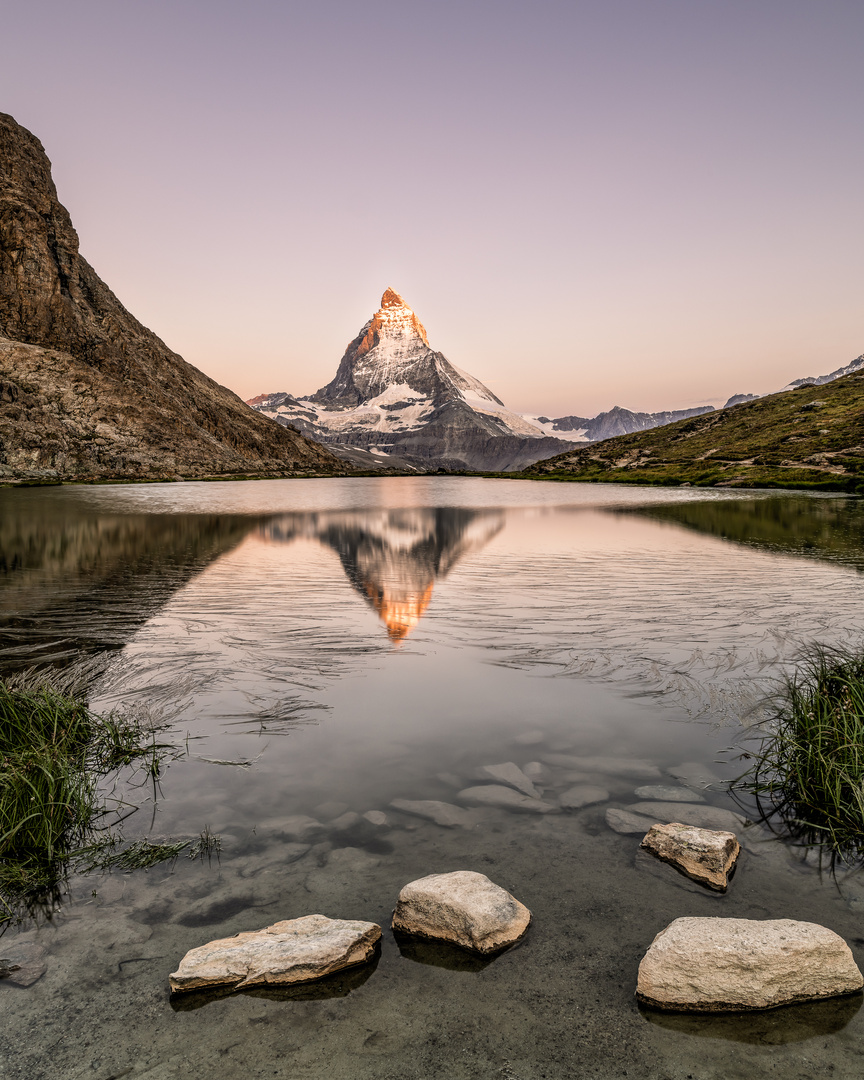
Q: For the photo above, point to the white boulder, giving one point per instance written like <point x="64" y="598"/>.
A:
<point x="292" y="951"/>
<point x="730" y="965"/>
<point x="464" y="908"/>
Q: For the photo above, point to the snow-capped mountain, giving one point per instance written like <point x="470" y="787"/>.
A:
<point x="396" y="398"/>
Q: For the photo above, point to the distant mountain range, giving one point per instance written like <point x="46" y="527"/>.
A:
<point x="396" y="401"/>
<point x="811" y="436"/>
<point x="86" y="391"/>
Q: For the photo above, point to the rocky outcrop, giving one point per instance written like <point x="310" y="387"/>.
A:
<point x="731" y="965"/>
<point x="704" y="855"/>
<point x="464" y="908"/>
<point x="292" y="951"/>
<point x="86" y="391"/>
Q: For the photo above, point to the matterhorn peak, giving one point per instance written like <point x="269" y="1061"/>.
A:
<point x="392" y="299"/>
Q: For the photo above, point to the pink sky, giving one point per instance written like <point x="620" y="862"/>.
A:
<point x="638" y="202"/>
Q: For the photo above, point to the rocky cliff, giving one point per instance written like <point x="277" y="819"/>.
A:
<point x="86" y="391"/>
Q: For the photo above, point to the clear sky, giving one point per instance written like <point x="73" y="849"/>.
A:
<point x="650" y="203"/>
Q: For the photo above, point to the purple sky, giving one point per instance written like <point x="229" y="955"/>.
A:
<point x="651" y="203"/>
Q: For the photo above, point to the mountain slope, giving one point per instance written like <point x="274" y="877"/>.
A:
<point x="86" y="391"/>
<point x="395" y="396"/>
<point x="809" y="437"/>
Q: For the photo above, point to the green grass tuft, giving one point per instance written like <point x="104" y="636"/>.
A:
<point x="807" y="776"/>
<point x="55" y="758"/>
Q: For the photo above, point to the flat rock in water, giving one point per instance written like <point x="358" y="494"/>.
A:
<point x="293" y="951"/>
<point x="703" y="855"/>
<point x="667" y="793"/>
<point x="496" y="795"/>
<point x="510" y="774"/>
<point x="582" y="795"/>
<point x="22" y="963"/>
<point x="609" y="766"/>
<point x="442" y="813"/>
<point x="700" y="815"/>
<point x="376" y="817"/>
<point x="464" y="908"/>
<point x="627" y="823"/>
<point x="729" y="965"/>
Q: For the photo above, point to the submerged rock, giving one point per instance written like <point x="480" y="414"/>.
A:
<point x="537" y="772"/>
<point x="464" y="908"/>
<point x="582" y="795"/>
<point x="292" y="951"/>
<point x="627" y="823"/>
<point x="506" y="797"/>
<point x="702" y="816"/>
<point x="302" y="828"/>
<point x="509" y="774"/>
<point x="22" y="963"/>
<point x="667" y="793"/>
<point x="376" y="817"/>
<point x="705" y="856"/>
<point x="609" y="766"/>
<point x="442" y="813"/>
<point x="729" y="965"/>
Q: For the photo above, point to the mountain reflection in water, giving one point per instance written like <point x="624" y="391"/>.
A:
<point x="393" y="557"/>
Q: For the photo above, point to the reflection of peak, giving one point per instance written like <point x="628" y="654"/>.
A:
<point x="393" y="557"/>
<point x="399" y="613"/>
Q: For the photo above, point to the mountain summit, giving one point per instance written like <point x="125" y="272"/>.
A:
<point x="395" y="399"/>
<point x="392" y="351"/>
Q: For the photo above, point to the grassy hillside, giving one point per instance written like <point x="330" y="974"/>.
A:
<point x="812" y="437"/>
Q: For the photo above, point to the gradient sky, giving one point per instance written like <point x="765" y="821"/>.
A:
<point x="650" y="203"/>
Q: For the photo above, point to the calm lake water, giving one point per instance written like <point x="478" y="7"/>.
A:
<point x="323" y="648"/>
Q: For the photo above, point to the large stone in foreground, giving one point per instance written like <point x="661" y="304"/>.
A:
<point x="730" y="965"/>
<point x="464" y="908"/>
<point x="292" y="951"/>
<point x="705" y="856"/>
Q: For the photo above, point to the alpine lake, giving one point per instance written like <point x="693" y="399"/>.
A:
<point x="321" y="648"/>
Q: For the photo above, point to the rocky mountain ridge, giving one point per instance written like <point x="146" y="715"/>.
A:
<point x="86" y="391"/>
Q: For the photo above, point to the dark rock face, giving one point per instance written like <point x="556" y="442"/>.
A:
<point x="86" y="391"/>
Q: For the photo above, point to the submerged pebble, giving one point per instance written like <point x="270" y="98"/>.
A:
<point x="667" y="793"/>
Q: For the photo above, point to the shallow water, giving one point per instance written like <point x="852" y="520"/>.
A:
<point x="359" y="641"/>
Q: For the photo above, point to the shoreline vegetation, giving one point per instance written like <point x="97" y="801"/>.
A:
<point x="807" y="774"/>
<point x="61" y="768"/>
